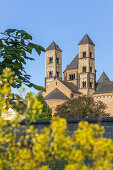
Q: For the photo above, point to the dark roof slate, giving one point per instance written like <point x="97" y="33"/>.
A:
<point x="53" y="46"/>
<point x="86" y="40"/>
<point x="73" y="64"/>
<point x="70" y="86"/>
<point x="56" y="94"/>
<point x="104" y="87"/>
<point x="103" y="78"/>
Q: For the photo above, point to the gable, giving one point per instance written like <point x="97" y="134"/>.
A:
<point x="65" y="87"/>
<point x="56" y="94"/>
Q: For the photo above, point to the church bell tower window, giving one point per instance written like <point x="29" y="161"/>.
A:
<point x="90" y="55"/>
<point x="90" y="69"/>
<point x="57" y="60"/>
<point x="84" y="54"/>
<point x="50" y="74"/>
<point x="84" y="69"/>
<point x="91" y="84"/>
<point x="50" y="60"/>
<point x="84" y="84"/>
<point x="57" y="74"/>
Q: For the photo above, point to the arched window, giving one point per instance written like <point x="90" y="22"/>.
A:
<point x="91" y="69"/>
<point x="91" y="84"/>
<point x="57" y="74"/>
<point x="90" y="55"/>
<point x="50" y="74"/>
<point x="72" y="76"/>
<point x="84" y="84"/>
<point x="84" y="69"/>
<point x="57" y="60"/>
<point x="84" y="54"/>
<point x="50" y="60"/>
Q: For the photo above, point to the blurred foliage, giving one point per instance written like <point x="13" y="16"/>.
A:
<point x="37" y="108"/>
<point x="15" y="45"/>
<point x="7" y="98"/>
<point x="81" y="107"/>
<point x="53" y="148"/>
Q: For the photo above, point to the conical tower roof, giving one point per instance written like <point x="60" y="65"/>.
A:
<point x="53" y="46"/>
<point x="103" y="78"/>
<point x="86" y="40"/>
<point x="73" y="64"/>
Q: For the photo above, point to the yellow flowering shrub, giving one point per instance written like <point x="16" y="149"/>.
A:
<point x="26" y="148"/>
<point x="34" y="110"/>
<point x="5" y="89"/>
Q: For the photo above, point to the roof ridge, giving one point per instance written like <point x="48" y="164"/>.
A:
<point x="103" y="78"/>
<point x="86" y="40"/>
<point x="56" y="94"/>
<point x="53" y="46"/>
<point x="73" y="64"/>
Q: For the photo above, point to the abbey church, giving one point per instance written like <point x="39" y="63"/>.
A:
<point x="79" y="76"/>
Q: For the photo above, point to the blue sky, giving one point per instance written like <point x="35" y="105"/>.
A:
<point x="65" y="22"/>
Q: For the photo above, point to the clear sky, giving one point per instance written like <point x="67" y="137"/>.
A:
<point x="65" y="22"/>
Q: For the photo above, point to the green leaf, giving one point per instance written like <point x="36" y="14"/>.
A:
<point x="39" y="87"/>
<point x="10" y="30"/>
<point x="38" y="48"/>
<point x="29" y="48"/>
<point x="26" y="36"/>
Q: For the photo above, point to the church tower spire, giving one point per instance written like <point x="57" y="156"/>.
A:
<point x="53" y="64"/>
<point x="86" y="66"/>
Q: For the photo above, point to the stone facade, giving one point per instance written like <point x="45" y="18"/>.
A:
<point x="53" y="66"/>
<point x="86" y="69"/>
<point x="79" y="77"/>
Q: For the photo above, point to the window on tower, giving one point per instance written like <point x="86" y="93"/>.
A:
<point x="57" y="74"/>
<point x="50" y="60"/>
<point x="72" y="76"/>
<point x="84" y="69"/>
<point x="50" y="74"/>
<point x="91" y="69"/>
<point x="84" y="54"/>
<point x="84" y="84"/>
<point x="57" y="60"/>
<point x="91" y="84"/>
<point x="90" y="55"/>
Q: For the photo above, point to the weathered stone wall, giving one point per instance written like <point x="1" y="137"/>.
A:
<point x="72" y="124"/>
<point x="53" y="66"/>
<point x="106" y="98"/>
<point x="89" y="62"/>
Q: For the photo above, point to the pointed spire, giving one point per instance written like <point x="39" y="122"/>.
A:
<point x="86" y="40"/>
<point x="53" y="46"/>
<point x="103" y="78"/>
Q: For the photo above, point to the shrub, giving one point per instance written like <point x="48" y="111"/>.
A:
<point x="52" y="148"/>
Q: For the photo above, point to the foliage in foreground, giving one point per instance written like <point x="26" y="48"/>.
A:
<point x="37" y="107"/>
<point x="15" y="45"/>
<point x="81" y="107"/>
<point x="25" y="148"/>
<point x="6" y="95"/>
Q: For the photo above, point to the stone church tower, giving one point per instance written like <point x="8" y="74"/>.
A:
<point x="86" y="66"/>
<point x="79" y="77"/>
<point x="53" y="64"/>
